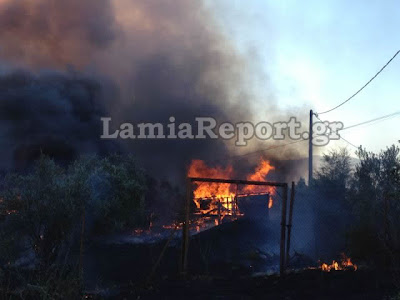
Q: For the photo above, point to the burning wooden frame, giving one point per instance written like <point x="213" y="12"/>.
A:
<point x="285" y="239"/>
<point x="220" y="208"/>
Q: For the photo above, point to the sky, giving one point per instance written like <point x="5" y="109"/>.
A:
<point x="315" y="54"/>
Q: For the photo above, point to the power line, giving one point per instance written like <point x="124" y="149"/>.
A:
<point x="266" y="149"/>
<point x="372" y="120"/>
<point x="351" y="144"/>
<point x="303" y="140"/>
<point x="235" y="157"/>
<point x="364" y="86"/>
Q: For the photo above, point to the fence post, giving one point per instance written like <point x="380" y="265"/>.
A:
<point x="283" y="231"/>
<point x="185" y="227"/>
<point x="292" y="193"/>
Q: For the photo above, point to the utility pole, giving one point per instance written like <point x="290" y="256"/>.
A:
<point x="310" y="149"/>
<point x="310" y="177"/>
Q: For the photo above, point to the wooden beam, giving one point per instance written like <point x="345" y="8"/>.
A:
<point x="238" y="181"/>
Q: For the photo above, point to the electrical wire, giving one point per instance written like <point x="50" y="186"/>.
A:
<point x="351" y="144"/>
<point x="364" y="86"/>
<point x="382" y="118"/>
<point x="266" y="149"/>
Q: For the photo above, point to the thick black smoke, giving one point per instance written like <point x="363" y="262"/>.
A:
<point x="158" y="58"/>
<point x="51" y="113"/>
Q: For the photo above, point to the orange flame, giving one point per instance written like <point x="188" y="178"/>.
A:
<point x="198" y="168"/>
<point x="223" y="195"/>
<point x="261" y="171"/>
<point x="215" y="201"/>
<point x="344" y="264"/>
<point x="260" y="174"/>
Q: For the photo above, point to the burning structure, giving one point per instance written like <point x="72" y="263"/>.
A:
<point x="224" y="199"/>
<point x="224" y="202"/>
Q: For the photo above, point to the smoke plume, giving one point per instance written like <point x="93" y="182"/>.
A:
<point x="133" y="61"/>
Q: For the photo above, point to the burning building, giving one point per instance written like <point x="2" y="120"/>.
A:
<point x="230" y="201"/>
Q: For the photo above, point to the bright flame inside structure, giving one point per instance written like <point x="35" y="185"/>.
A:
<point x="218" y="202"/>
<point x="221" y="199"/>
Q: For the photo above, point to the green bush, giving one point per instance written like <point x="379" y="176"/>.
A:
<point x="375" y="200"/>
<point x="42" y="207"/>
<point x="41" y="212"/>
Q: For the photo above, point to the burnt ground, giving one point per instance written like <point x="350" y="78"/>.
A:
<point x="307" y="284"/>
<point x="232" y="249"/>
<point x="227" y="262"/>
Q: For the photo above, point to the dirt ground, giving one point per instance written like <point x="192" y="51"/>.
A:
<point x="307" y="284"/>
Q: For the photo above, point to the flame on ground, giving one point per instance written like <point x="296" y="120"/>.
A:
<point x="344" y="264"/>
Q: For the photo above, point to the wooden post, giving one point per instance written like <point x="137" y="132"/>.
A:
<point x="235" y="200"/>
<point x="185" y="228"/>
<point x="153" y="270"/>
<point x="283" y="231"/>
<point x="290" y="223"/>
<point x="219" y="211"/>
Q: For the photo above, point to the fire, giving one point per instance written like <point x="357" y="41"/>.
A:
<point x="198" y="168"/>
<point x="261" y="171"/>
<point x="260" y="174"/>
<point x="344" y="264"/>
<point x="221" y="198"/>
<point x="270" y="202"/>
<point x="217" y="201"/>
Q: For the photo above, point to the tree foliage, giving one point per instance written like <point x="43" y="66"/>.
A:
<point x="375" y="199"/>
<point x="357" y="209"/>
<point x="42" y="209"/>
